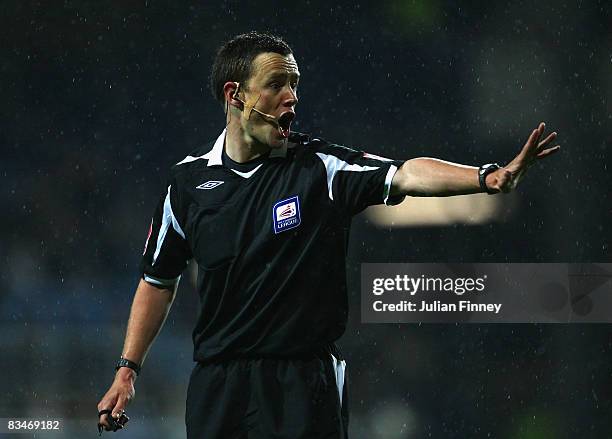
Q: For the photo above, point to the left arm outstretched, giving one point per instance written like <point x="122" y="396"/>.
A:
<point x="428" y="177"/>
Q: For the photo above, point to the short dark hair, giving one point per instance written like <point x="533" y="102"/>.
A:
<point x="234" y="58"/>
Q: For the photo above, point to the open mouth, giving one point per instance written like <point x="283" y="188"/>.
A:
<point x="284" y="123"/>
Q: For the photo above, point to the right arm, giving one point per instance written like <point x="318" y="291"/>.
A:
<point x="165" y="257"/>
<point x="149" y="311"/>
<point x="150" y="308"/>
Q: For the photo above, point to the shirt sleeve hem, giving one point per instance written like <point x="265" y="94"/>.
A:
<point x="388" y="200"/>
<point x="160" y="282"/>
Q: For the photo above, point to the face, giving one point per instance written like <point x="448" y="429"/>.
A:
<point x="271" y="89"/>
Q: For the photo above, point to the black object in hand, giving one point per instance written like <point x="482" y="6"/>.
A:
<point x="115" y="424"/>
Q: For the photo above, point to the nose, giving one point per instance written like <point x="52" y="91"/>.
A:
<point x="290" y="98"/>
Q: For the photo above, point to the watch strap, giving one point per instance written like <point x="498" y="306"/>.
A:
<point x="483" y="171"/>
<point x="124" y="362"/>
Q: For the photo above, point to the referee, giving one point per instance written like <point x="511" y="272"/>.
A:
<point x="265" y="213"/>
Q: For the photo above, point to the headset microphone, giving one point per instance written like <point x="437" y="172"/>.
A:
<point x="249" y="108"/>
<point x="252" y="108"/>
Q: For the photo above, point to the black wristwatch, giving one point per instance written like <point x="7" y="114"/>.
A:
<point x="123" y="362"/>
<point x="483" y="171"/>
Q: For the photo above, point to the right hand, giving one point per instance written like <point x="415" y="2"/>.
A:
<point x="118" y="396"/>
<point x="533" y="150"/>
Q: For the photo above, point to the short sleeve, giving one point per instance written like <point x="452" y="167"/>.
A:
<point x="356" y="179"/>
<point x="166" y="251"/>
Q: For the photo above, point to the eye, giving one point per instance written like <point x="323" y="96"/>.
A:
<point x="276" y="85"/>
<point x="294" y="85"/>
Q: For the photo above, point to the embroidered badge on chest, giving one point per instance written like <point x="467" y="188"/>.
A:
<point x="286" y="214"/>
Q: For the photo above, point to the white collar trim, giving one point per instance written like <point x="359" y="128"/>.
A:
<point x="248" y="174"/>
<point x="215" y="155"/>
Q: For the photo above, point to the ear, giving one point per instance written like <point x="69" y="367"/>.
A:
<point x="231" y="92"/>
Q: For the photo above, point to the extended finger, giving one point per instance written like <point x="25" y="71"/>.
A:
<point x="531" y="145"/>
<point x="540" y="131"/>
<point x="552" y="136"/>
<point x="548" y="152"/>
<point x="533" y="138"/>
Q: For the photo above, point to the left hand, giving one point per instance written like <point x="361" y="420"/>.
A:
<point x="507" y="178"/>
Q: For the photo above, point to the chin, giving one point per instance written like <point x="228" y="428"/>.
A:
<point x="276" y="141"/>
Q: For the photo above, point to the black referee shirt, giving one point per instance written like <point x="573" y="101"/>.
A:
<point x="270" y="242"/>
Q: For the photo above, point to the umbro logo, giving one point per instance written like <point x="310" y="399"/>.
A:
<point x="211" y="184"/>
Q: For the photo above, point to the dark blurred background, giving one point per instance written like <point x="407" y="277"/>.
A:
<point x="98" y="99"/>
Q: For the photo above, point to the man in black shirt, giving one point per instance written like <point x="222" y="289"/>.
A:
<point x="265" y="213"/>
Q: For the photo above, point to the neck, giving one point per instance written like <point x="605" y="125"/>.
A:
<point x="240" y="147"/>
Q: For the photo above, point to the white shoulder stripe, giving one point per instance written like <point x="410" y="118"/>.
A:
<point x="213" y="156"/>
<point x="190" y="159"/>
<point x="167" y="219"/>
<point x="339" y="369"/>
<point x="333" y="164"/>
